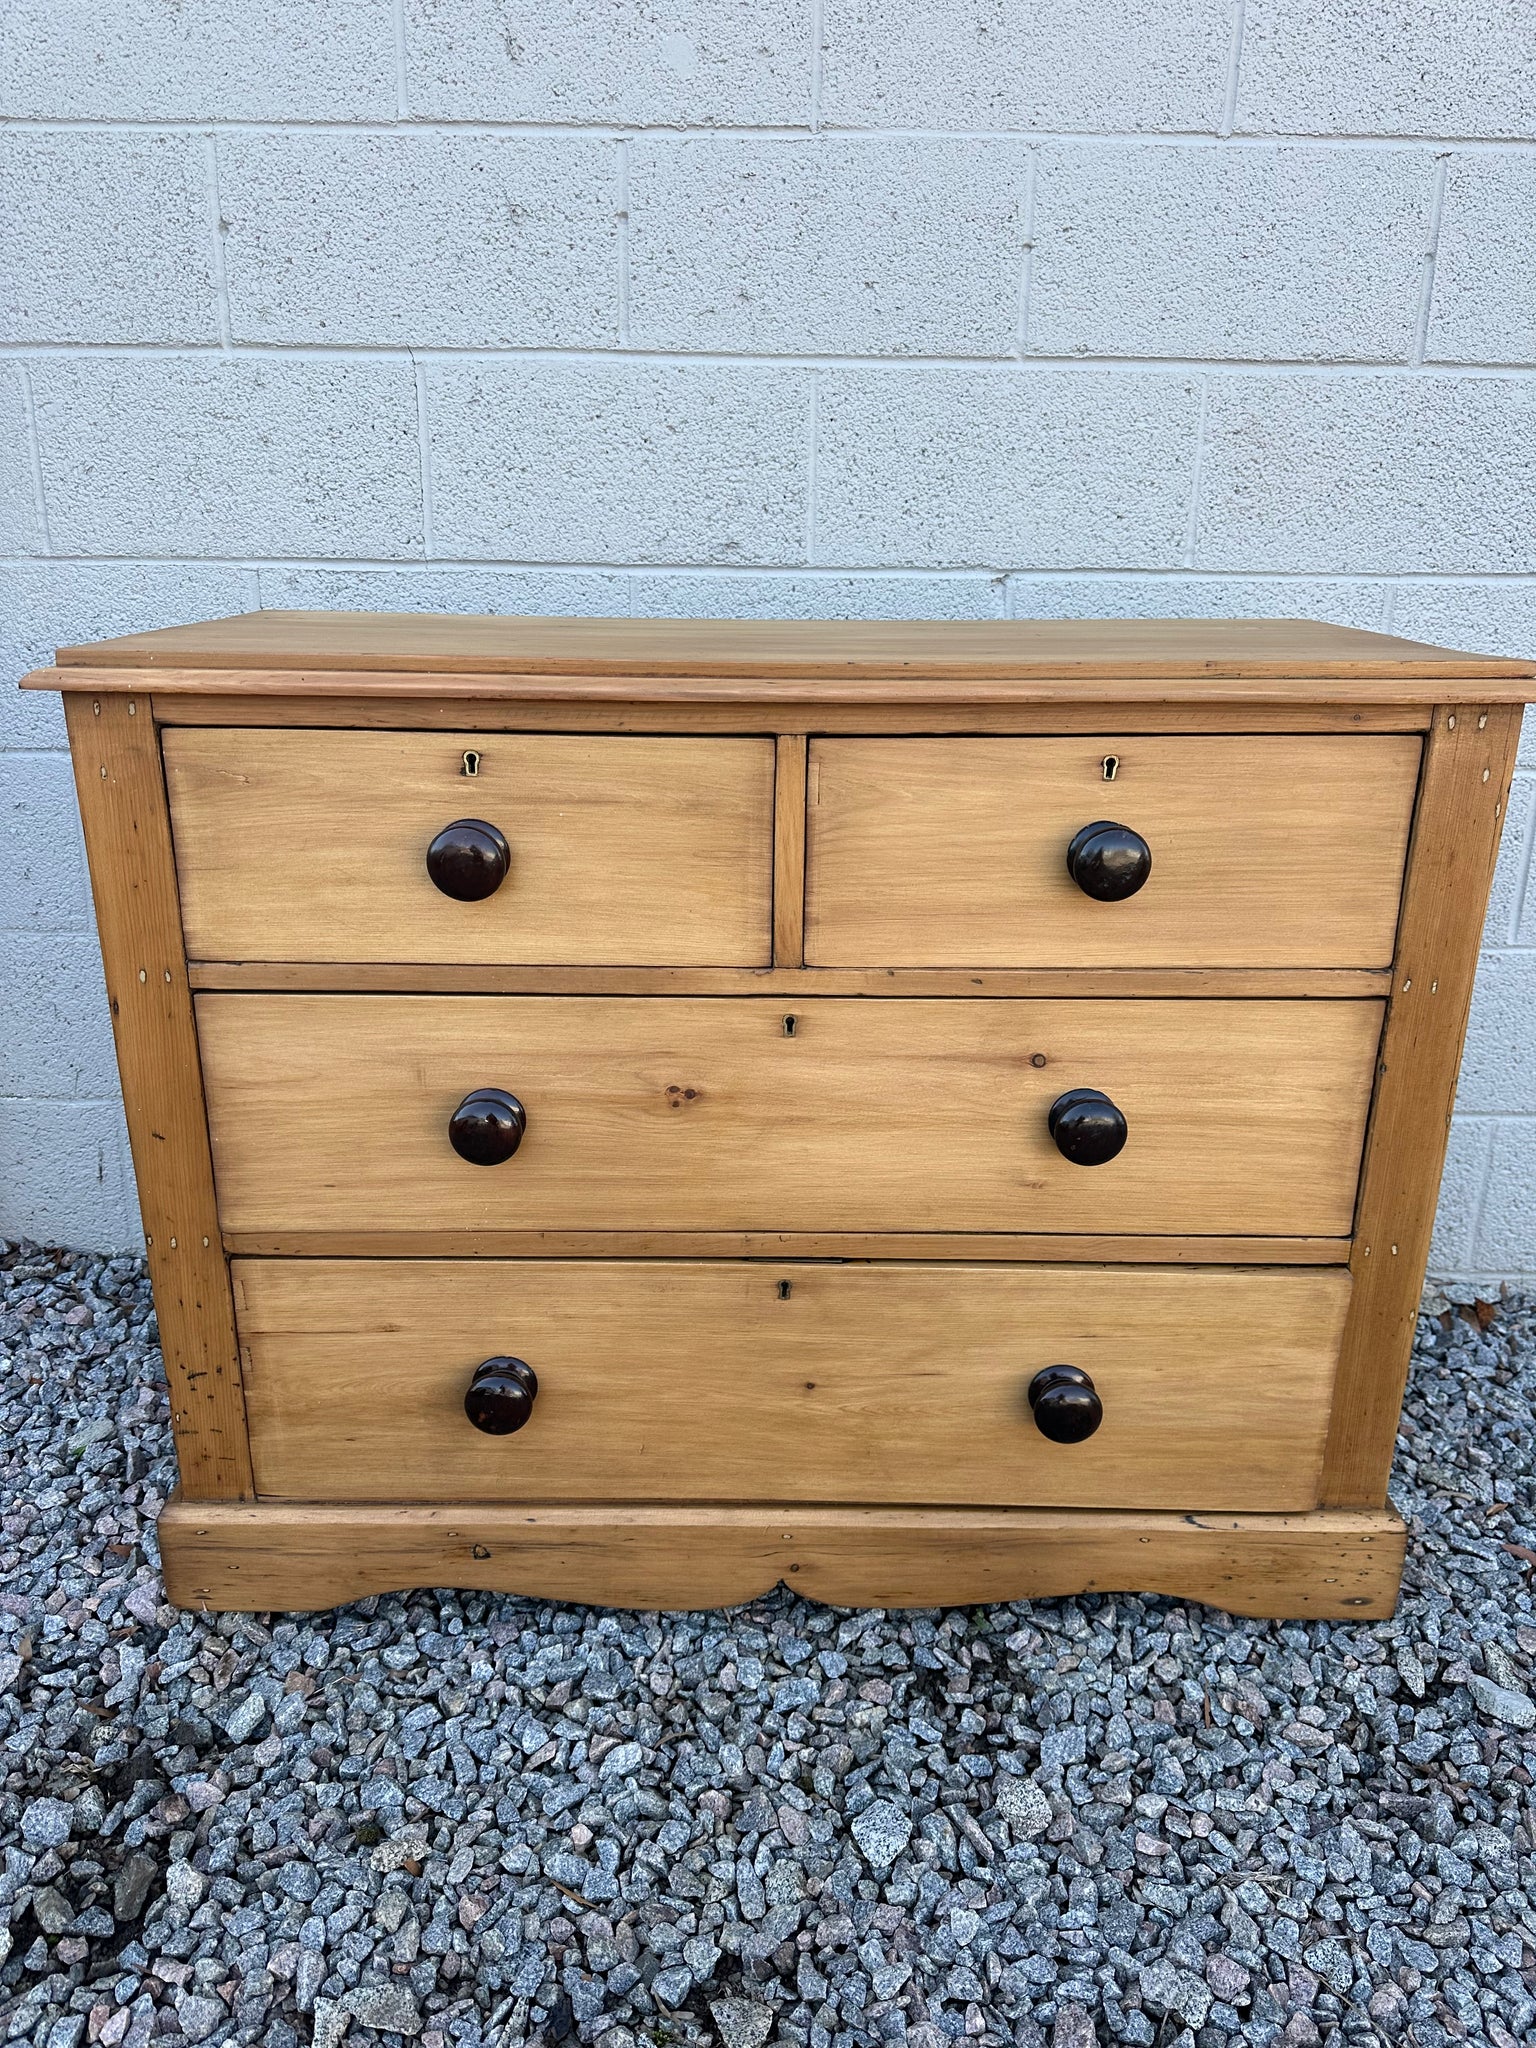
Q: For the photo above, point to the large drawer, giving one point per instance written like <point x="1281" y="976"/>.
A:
<point x="716" y="1381"/>
<point x="1281" y="851"/>
<point x="623" y="850"/>
<point x="330" y="1113"/>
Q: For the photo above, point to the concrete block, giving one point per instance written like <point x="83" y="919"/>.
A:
<point x="1483" y="309"/>
<point x="21" y="531"/>
<point x="692" y="63"/>
<point x="1510" y="887"/>
<point x="1145" y="249"/>
<point x="619" y="462"/>
<point x="1063" y="64"/>
<point x="229" y="456"/>
<point x="1505" y="1243"/>
<point x="436" y="241"/>
<point x="515" y="593"/>
<point x="1196" y="597"/>
<point x="817" y="597"/>
<point x="30" y="720"/>
<point x="1368" y="473"/>
<point x="1477" y="618"/>
<point x="155" y="60"/>
<point x="993" y="467"/>
<point x="833" y="245"/>
<point x="47" y="605"/>
<point x="65" y="1175"/>
<point x="1386" y="67"/>
<point x="55" y="1027"/>
<point x="105" y="237"/>
<point x="44" y="886"/>
<point x="1498" y="1069"/>
<point x="1461" y="1193"/>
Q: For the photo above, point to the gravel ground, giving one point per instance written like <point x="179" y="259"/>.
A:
<point x="460" y="1819"/>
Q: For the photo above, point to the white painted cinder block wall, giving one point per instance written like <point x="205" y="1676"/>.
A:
<point x="810" y="308"/>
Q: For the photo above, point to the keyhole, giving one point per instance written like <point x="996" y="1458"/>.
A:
<point x="471" y="762"/>
<point x="1111" y="767"/>
<point x="789" y="1027"/>
<point x="786" y="1287"/>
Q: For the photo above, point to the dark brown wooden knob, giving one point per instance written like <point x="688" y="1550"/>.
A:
<point x="469" y="860"/>
<point x="501" y="1395"/>
<point x="487" y="1127"/>
<point x="1109" y="862"/>
<point x="1087" y="1127"/>
<point x="1064" y="1404"/>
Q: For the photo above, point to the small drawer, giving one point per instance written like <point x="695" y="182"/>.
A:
<point x="615" y="850"/>
<point x="1282" y="851"/>
<point x="678" y="1381"/>
<point x="332" y="1113"/>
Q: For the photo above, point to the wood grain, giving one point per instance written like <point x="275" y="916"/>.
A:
<point x="431" y="710"/>
<point x="870" y="1162"/>
<point x="671" y="1382"/>
<point x="789" y="851"/>
<point x="789" y="1244"/>
<point x="1268" y="852"/>
<point x="308" y="977"/>
<point x="1216" y="688"/>
<point x="1337" y="1564"/>
<point x="330" y="1113"/>
<point x="1191" y="650"/>
<point x="1468" y="760"/>
<point x="127" y="837"/>
<point x="312" y="846"/>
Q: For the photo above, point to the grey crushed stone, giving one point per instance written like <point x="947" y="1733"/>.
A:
<point x="881" y="1832"/>
<point x="390" y="2008"/>
<point x="742" y="2022"/>
<point x="458" y="1819"/>
<point x="46" y="1823"/>
<point x="1500" y="1703"/>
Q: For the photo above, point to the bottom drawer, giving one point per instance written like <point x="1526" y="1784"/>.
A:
<point x="710" y="1381"/>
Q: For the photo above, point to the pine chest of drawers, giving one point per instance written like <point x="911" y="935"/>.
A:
<point x="638" y="1111"/>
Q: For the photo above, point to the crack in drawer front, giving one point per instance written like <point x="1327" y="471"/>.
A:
<point x="621" y="850"/>
<point x="1264" y="852"/>
<point x="718" y="1381"/>
<point x="332" y="1113"/>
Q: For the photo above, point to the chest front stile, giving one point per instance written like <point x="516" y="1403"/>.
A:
<point x="121" y="788"/>
<point x="1469" y="758"/>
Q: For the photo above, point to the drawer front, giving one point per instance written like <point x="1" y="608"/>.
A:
<point x="623" y="851"/>
<point x="331" y="1113"/>
<point x="674" y="1381"/>
<point x="1265" y="852"/>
